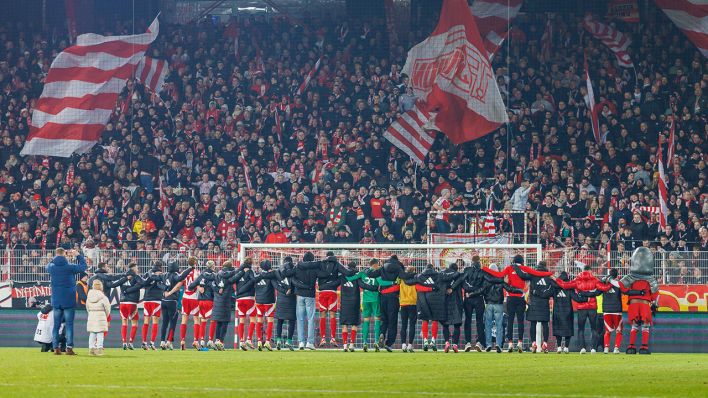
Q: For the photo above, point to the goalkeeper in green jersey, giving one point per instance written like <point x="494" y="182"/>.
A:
<point x="371" y="309"/>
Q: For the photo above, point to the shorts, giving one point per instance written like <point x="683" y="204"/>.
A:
<point x="639" y="313"/>
<point x="128" y="311"/>
<point x="265" y="310"/>
<point x="205" y="308"/>
<point x="370" y="309"/>
<point x="151" y="308"/>
<point x="613" y="322"/>
<point x="327" y="301"/>
<point x="190" y="306"/>
<point x="245" y="307"/>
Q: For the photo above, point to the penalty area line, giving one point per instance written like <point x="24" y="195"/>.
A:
<point x="313" y="391"/>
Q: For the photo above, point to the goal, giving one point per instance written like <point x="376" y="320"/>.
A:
<point x="416" y="255"/>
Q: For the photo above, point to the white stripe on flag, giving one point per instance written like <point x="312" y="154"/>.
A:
<point x="71" y="116"/>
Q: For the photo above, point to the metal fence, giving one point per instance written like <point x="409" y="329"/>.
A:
<point x="681" y="268"/>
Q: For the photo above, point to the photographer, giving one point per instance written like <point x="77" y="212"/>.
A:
<point x="63" y="283"/>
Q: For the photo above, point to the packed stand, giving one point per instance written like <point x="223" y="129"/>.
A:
<point x="171" y="170"/>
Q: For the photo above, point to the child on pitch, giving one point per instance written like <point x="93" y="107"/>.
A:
<point x="409" y="316"/>
<point x="350" y="307"/>
<point x="371" y="309"/>
<point x="45" y="323"/>
<point x="98" y="308"/>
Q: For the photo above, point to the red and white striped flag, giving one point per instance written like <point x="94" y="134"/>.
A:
<point x="152" y="73"/>
<point x="590" y="102"/>
<point x="81" y="90"/>
<point x="691" y="16"/>
<point x="450" y="72"/>
<point x="672" y="138"/>
<point x="615" y="40"/>
<point x="547" y="40"/>
<point x="663" y="192"/>
<point x="489" y="225"/>
<point x="410" y="133"/>
<point x="309" y="77"/>
<point x="246" y="170"/>
<point x="493" y="20"/>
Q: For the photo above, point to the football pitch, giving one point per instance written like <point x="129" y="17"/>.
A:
<point x="26" y="372"/>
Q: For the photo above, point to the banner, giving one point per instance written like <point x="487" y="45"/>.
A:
<point x="624" y="10"/>
<point x="24" y="294"/>
<point x="683" y="298"/>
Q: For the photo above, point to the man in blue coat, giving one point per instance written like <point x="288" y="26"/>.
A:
<point x="63" y="282"/>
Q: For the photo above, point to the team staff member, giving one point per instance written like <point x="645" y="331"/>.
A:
<point x="539" y="307"/>
<point x="172" y="284"/>
<point x="285" y="305"/>
<point x="475" y="280"/>
<point x="409" y="316"/>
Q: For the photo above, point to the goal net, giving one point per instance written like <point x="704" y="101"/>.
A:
<point x="418" y="256"/>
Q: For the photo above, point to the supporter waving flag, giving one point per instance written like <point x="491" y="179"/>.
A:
<point x="152" y="73"/>
<point x="309" y="77"/>
<point x="493" y="19"/>
<point x="450" y="72"/>
<point x="81" y="90"/>
<point x="412" y="134"/>
<point x="592" y="107"/>
<point x="615" y="40"/>
<point x="691" y="16"/>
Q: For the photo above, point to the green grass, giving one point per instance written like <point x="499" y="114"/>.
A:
<point x="27" y="372"/>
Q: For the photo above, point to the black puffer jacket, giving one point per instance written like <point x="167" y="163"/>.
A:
<point x="305" y="277"/>
<point x="475" y="280"/>
<point x="453" y="299"/>
<point x="286" y="300"/>
<point x="390" y="271"/>
<point x="431" y="301"/>
<point x="330" y="272"/>
<point x="539" y="307"/>
<point x="223" y="294"/>
<point x="204" y="284"/>
<point x="563" y="316"/>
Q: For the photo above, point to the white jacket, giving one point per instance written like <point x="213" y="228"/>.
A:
<point x="98" y="308"/>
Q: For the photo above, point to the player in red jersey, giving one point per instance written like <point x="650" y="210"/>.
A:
<point x="204" y="285"/>
<point x="130" y="295"/>
<point x="190" y="307"/>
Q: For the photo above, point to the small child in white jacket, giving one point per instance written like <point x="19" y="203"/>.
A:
<point x="98" y="308"/>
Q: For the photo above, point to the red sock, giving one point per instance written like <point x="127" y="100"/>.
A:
<point x="133" y="331"/>
<point x="333" y="326"/>
<point x="607" y="338"/>
<point x="123" y="332"/>
<point x="251" y="326"/>
<point x="145" y="332"/>
<point x="241" y="327"/>
<point x="323" y="327"/>
<point x="182" y="331"/>
<point x="259" y="331"/>
<point x="645" y="337"/>
<point x="435" y="330"/>
<point x="269" y="331"/>
<point x="105" y="334"/>
<point x="153" y="335"/>
<point x="212" y="330"/>
<point x="632" y="336"/>
<point x="202" y="330"/>
<point x="345" y="335"/>
<point x="171" y="335"/>
<point x="618" y="337"/>
<point x="198" y="332"/>
<point x="353" y="336"/>
<point x="424" y="329"/>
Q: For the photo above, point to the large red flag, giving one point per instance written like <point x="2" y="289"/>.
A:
<point x="691" y="16"/>
<point x="450" y="72"/>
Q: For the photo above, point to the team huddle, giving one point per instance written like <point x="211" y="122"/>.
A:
<point x="498" y="299"/>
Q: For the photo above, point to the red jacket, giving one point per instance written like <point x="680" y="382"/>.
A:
<point x="515" y="280"/>
<point x="585" y="281"/>
<point x="276" y="237"/>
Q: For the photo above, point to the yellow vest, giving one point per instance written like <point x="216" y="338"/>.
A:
<point x="408" y="294"/>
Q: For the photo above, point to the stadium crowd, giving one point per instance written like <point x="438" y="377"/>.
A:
<point x="328" y="175"/>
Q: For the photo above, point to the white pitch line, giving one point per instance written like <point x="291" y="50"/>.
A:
<point x="317" y="391"/>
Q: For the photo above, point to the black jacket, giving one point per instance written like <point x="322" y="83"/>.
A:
<point x="223" y="292"/>
<point x="109" y="280"/>
<point x="245" y="285"/>
<point x="431" y="305"/>
<point x="453" y="299"/>
<point x="328" y="277"/>
<point x="130" y="289"/>
<point x="475" y="280"/>
<point x="563" y="324"/>
<point x="304" y="277"/>
<point x="285" y="301"/>
<point x="265" y="288"/>
<point x="205" y="283"/>
<point x="390" y="270"/>
<point x="539" y="308"/>
<point x="170" y="280"/>
<point x="152" y="283"/>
